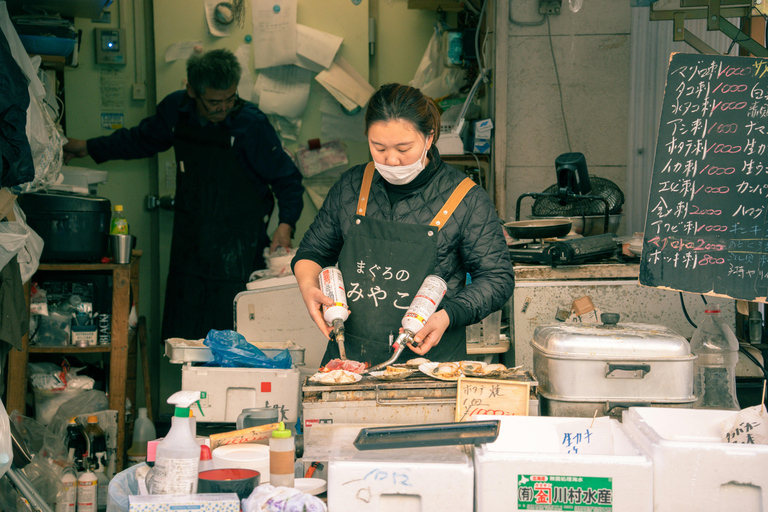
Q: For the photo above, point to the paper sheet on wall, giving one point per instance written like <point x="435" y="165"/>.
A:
<point x="337" y="124"/>
<point x="245" y="86"/>
<point x="283" y="90"/>
<point x="345" y="84"/>
<point x="215" y="27"/>
<point x="315" y="49"/>
<point x="274" y="32"/>
<point x="181" y="51"/>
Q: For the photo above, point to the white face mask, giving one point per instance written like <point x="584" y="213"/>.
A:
<point x="401" y="174"/>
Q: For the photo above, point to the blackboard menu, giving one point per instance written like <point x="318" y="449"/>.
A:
<point x="706" y="230"/>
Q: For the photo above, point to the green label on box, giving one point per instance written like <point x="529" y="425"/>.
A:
<point x="555" y="492"/>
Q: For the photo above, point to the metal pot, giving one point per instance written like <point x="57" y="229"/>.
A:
<point x="590" y="225"/>
<point x="546" y="228"/>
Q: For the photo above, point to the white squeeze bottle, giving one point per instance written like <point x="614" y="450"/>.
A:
<point x="66" y="496"/>
<point x="282" y="455"/>
<point x="86" y="491"/>
<point x="178" y="454"/>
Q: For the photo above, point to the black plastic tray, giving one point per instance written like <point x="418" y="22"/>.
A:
<point x="432" y="434"/>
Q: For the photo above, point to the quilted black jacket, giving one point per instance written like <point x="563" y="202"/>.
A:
<point x="471" y="241"/>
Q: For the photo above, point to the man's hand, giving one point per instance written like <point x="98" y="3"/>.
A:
<point x="75" y="148"/>
<point x="281" y="237"/>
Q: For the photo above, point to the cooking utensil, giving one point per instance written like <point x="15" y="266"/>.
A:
<point x="399" y="345"/>
<point x="434" y="434"/>
<point x="545" y="228"/>
<point x="588" y="225"/>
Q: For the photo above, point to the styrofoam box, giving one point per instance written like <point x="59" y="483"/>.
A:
<point x="227" y="391"/>
<point x="529" y="445"/>
<point x="692" y="468"/>
<point x="423" y="479"/>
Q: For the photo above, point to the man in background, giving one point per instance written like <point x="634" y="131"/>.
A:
<point x="230" y="165"/>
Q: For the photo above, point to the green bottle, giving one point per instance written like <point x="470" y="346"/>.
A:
<point x="119" y="224"/>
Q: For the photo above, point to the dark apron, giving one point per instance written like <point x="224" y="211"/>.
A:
<point x="219" y="233"/>
<point x="384" y="264"/>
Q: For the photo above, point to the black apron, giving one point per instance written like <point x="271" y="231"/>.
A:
<point x="384" y="264"/>
<point x="219" y="232"/>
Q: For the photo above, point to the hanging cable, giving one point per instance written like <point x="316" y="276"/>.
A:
<point x="525" y="23"/>
<point x="754" y="360"/>
<point x="559" y="85"/>
<point x="685" y="311"/>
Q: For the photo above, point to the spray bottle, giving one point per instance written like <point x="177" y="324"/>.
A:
<point x="178" y="454"/>
<point x="423" y="305"/>
<point x="332" y="286"/>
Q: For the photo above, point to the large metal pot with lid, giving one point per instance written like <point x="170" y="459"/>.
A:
<point x="582" y="368"/>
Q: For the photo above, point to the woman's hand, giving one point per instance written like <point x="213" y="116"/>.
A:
<point x="431" y="333"/>
<point x="307" y="273"/>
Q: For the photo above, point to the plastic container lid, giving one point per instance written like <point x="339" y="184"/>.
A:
<point x="205" y="453"/>
<point x="118" y="207"/>
<point x="93" y="419"/>
<point x="281" y="432"/>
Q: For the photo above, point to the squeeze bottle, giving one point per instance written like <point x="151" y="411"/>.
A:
<point x="86" y="491"/>
<point x="714" y="370"/>
<point x="66" y="497"/>
<point x="332" y="286"/>
<point x="119" y="224"/>
<point x="282" y="451"/>
<point x="178" y="454"/>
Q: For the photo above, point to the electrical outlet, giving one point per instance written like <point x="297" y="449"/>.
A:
<point x="139" y="92"/>
<point x="550" y="6"/>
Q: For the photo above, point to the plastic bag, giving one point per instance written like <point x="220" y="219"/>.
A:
<point x="12" y="238"/>
<point x="432" y="77"/>
<point x="121" y="486"/>
<point x="6" y="450"/>
<point x="268" y="498"/>
<point x="87" y="402"/>
<point x="231" y="350"/>
<point x="29" y="255"/>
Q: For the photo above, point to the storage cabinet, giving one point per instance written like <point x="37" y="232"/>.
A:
<point x="125" y="282"/>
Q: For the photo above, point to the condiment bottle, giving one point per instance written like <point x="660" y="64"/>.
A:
<point x="282" y="452"/>
<point x="119" y="224"/>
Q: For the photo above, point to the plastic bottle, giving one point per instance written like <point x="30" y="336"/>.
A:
<point x="206" y="459"/>
<point x="66" y="497"/>
<point x="119" y="224"/>
<point x="102" y="487"/>
<point x="178" y="454"/>
<point x="86" y="491"/>
<point x="282" y="454"/>
<point x="77" y="445"/>
<point x="97" y="443"/>
<point x="332" y="286"/>
<point x="714" y="373"/>
<point x="143" y="432"/>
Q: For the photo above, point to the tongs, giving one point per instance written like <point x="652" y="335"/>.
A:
<point x="403" y="339"/>
<point x="338" y="336"/>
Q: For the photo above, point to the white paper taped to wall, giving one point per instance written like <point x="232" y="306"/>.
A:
<point x="317" y="47"/>
<point x="283" y="90"/>
<point x="346" y="84"/>
<point x="274" y="32"/>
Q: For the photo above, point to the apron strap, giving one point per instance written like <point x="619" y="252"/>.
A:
<point x="362" y="201"/>
<point x="450" y="205"/>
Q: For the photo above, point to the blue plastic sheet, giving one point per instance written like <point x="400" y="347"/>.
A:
<point x="231" y="350"/>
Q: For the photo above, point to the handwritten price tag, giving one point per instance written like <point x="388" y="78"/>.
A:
<point x="485" y="397"/>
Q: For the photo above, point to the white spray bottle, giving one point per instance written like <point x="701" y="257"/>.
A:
<point x="178" y="454"/>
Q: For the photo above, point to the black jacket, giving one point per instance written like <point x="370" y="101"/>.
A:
<point x="471" y="241"/>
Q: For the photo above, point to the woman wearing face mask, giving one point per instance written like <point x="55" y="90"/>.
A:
<point x="396" y="220"/>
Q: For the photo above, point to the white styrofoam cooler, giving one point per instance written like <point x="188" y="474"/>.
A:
<point x="693" y="469"/>
<point x="423" y="479"/>
<point x="528" y="446"/>
<point x="227" y="391"/>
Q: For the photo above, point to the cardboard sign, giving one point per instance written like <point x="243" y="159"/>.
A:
<point x="487" y="397"/>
